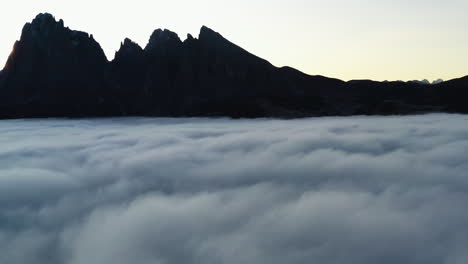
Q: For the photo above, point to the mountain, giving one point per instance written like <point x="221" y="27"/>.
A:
<point x="54" y="71"/>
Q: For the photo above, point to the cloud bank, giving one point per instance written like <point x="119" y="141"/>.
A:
<point x="170" y="191"/>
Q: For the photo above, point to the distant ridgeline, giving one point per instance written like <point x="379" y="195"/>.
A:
<point x="57" y="72"/>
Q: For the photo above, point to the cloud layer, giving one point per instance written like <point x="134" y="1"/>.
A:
<point x="170" y="191"/>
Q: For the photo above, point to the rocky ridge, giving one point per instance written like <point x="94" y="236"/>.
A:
<point x="54" y="71"/>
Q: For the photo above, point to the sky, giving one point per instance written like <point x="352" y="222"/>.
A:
<point x="346" y="39"/>
<point x="168" y="191"/>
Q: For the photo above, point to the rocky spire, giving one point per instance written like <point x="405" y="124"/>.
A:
<point x="128" y="50"/>
<point x="207" y="33"/>
<point x="162" y="39"/>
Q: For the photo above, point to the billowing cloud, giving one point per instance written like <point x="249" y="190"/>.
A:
<point x="169" y="191"/>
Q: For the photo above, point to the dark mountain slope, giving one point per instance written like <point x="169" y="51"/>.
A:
<point x="54" y="72"/>
<point x="452" y="95"/>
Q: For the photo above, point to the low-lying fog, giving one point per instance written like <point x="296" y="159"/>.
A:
<point x="147" y="191"/>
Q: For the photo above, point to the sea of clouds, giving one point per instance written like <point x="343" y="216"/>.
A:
<point x="208" y="191"/>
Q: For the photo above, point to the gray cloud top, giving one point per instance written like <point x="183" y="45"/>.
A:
<point x="171" y="191"/>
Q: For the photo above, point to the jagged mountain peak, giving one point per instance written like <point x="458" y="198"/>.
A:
<point x="161" y="37"/>
<point x="44" y="18"/>
<point x="50" y="58"/>
<point x="208" y="33"/>
<point x="129" y="44"/>
<point x="190" y="37"/>
<point x="45" y="21"/>
<point x="128" y="50"/>
<point x="43" y="24"/>
<point x="44" y="27"/>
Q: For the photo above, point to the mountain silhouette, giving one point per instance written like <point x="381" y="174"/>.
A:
<point x="54" y="71"/>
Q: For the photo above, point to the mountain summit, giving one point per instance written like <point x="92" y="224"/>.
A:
<point x="54" y="71"/>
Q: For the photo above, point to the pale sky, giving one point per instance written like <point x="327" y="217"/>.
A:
<point x="346" y="39"/>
